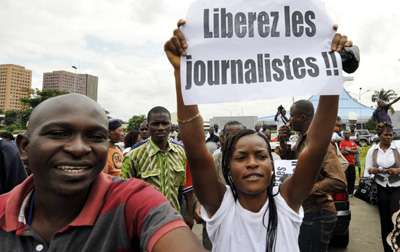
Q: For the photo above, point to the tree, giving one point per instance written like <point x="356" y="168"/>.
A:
<point x="384" y="96"/>
<point x="35" y="96"/>
<point x="11" y="117"/>
<point x="32" y="99"/>
<point x="370" y="125"/>
<point x="135" y="121"/>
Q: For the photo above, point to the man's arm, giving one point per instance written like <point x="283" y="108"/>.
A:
<point x="179" y="240"/>
<point x="394" y="101"/>
<point x="334" y="177"/>
<point x="284" y="150"/>
<point x="189" y="196"/>
<point x="128" y="169"/>
<point x="276" y="116"/>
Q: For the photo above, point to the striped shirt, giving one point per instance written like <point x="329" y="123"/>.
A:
<point x="165" y="171"/>
<point x="118" y="215"/>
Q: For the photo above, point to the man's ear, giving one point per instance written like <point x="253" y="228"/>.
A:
<point x="22" y="144"/>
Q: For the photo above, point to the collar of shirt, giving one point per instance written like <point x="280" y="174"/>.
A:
<point x="153" y="149"/>
<point x="378" y="146"/>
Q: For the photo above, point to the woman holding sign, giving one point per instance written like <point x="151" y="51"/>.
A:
<point x="249" y="215"/>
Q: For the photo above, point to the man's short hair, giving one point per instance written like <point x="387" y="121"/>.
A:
<point x="304" y="107"/>
<point x="7" y="135"/>
<point x="231" y="123"/>
<point x="157" y="110"/>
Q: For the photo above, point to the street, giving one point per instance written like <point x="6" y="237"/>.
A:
<point x="365" y="231"/>
<point x="364" y="228"/>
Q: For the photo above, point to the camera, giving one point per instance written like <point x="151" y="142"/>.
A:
<point x="280" y="108"/>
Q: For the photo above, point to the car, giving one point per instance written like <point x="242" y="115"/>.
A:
<point x="340" y="234"/>
<point x="396" y="136"/>
<point x="365" y="137"/>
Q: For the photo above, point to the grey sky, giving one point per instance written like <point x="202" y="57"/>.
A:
<point x="121" y="42"/>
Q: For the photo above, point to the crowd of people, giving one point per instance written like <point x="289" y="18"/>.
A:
<point x="85" y="193"/>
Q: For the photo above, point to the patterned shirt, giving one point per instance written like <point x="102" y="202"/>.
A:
<point x="165" y="171"/>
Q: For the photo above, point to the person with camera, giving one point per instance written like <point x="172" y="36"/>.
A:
<point x="280" y="119"/>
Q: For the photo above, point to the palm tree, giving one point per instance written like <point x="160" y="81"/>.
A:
<point x="385" y="96"/>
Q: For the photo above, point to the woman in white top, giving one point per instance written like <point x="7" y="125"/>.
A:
<point x="383" y="162"/>
<point x="248" y="215"/>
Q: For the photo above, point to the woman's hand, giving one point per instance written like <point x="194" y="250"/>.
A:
<point x="393" y="171"/>
<point x="373" y="170"/>
<point x="339" y="41"/>
<point x="197" y="213"/>
<point x="175" y="47"/>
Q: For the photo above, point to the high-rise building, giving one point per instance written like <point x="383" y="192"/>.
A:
<point x="85" y="84"/>
<point x="65" y="81"/>
<point x="14" y="81"/>
<point x="91" y="86"/>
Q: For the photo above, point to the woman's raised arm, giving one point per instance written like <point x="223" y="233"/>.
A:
<point x="208" y="189"/>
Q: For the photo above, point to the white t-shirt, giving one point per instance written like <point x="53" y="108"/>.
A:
<point x="233" y="228"/>
<point x="280" y="122"/>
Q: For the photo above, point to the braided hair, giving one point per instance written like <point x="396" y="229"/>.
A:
<point x="229" y="147"/>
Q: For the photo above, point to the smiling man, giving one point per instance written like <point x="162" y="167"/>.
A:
<point x="68" y="204"/>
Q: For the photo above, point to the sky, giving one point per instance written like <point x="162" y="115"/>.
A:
<point x="121" y="42"/>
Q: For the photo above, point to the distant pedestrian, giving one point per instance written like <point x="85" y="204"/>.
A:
<point x="130" y="139"/>
<point x="115" y="156"/>
<point x="12" y="170"/>
<point x="349" y="148"/>
<point x="144" y="130"/>
<point x="7" y="136"/>
<point x="380" y="114"/>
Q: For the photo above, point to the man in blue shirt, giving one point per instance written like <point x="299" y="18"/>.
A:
<point x="380" y="114"/>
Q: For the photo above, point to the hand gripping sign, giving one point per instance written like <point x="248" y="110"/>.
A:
<point x="256" y="49"/>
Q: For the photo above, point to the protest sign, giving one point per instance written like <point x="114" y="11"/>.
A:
<point x="283" y="169"/>
<point x="255" y="49"/>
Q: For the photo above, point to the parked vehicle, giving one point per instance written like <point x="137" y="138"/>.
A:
<point x="365" y="137"/>
<point x="340" y="235"/>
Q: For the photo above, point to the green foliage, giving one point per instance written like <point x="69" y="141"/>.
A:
<point x="370" y="125"/>
<point x="385" y="96"/>
<point x="10" y="128"/>
<point x="11" y="117"/>
<point x="35" y="96"/>
<point x="135" y="121"/>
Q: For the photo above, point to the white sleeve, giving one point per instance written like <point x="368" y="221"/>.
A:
<point x="369" y="163"/>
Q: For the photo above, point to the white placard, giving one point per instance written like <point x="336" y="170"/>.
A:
<point x="282" y="168"/>
<point x="256" y="49"/>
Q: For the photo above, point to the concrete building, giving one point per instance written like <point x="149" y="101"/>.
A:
<point x="65" y="81"/>
<point x="14" y="81"/>
<point x="91" y="86"/>
<point x="248" y="121"/>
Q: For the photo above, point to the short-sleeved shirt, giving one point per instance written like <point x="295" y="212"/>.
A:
<point x="381" y="115"/>
<point x="233" y="228"/>
<point x="351" y="145"/>
<point x="114" y="161"/>
<point x="119" y="215"/>
<point x="165" y="171"/>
